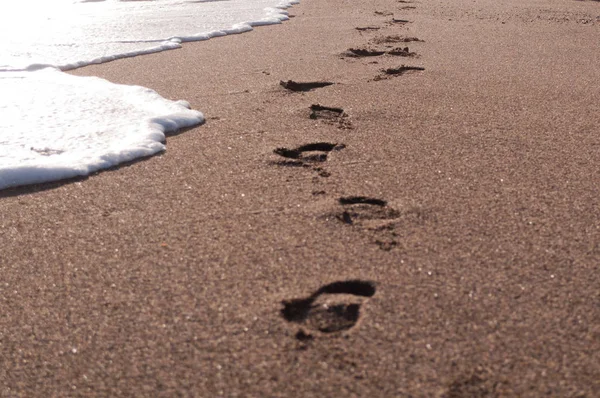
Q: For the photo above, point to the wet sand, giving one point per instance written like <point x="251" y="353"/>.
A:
<point x="436" y="234"/>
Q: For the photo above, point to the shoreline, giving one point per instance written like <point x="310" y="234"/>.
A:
<point x="449" y="214"/>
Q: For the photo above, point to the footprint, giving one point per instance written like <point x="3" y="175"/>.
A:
<point x="368" y="52"/>
<point x="400" y="70"/>
<point x="362" y="52"/>
<point x="382" y="224"/>
<point x="305" y="86"/>
<point x="358" y="208"/>
<point x="373" y="216"/>
<point x="332" y="308"/>
<point x="367" y="28"/>
<point x="401" y="52"/>
<point x="330" y="115"/>
<point x="315" y="152"/>
<point x="309" y="155"/>
<point x="394" y="39"/>
<point x="356" y="200"/>
<point x="478" y="383"/>
<point x="325" y="112"/>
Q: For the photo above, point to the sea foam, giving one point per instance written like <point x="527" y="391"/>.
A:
<point x="54" y="125"/>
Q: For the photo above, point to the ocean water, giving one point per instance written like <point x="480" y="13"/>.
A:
<point x="54" y="125"/>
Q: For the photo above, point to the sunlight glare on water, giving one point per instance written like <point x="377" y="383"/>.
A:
<point x="26" y="13"/>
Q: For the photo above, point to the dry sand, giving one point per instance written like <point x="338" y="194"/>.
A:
<point x="166" y="276"/>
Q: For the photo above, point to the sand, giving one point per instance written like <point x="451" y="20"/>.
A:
<point x="443" y="240"/>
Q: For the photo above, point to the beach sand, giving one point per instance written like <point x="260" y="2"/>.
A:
<point x="461" y="199"/>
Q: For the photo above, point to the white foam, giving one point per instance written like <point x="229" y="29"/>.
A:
<point x="93" y="124"/>
<point x="55" y="126"/>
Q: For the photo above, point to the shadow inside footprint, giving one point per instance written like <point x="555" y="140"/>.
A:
<point x="400" y="70"/>
<point x="354" y="200"/>
<point x="325" y="112"/>
<point x="315" y="152"/>
<point x="366" y="28"/>
<point x="363" y="52"/>
<point x="332" y="308"/>
<point x="394" y="39"/>
<point x="305" y="86"/>
<point x="331" y="115"/>
<point x="362" y="208"/>
<point x="385" y="225"/>
<point x="401" y="52"/>
<point x="367" y="52"/>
